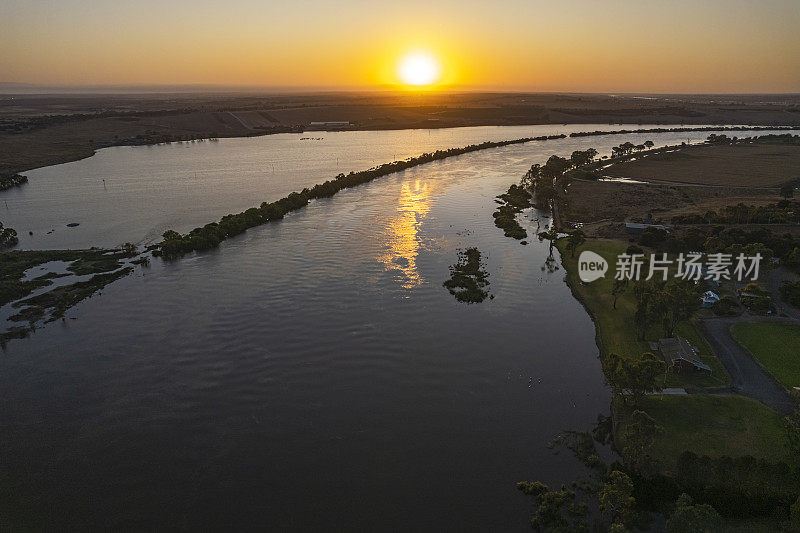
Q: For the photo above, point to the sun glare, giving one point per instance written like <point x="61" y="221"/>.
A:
<point x="419" y="69"/>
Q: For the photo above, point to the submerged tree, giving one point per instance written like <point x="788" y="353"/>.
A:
<point x="468" y="279"/>
<point x="8" y="237"/>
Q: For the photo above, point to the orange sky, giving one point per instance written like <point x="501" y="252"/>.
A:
<point x="582" y="45"/>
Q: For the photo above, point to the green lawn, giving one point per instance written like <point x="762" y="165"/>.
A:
<point x="716" y="425"/>
<point x="615" y="327"/>
<point x="776" y="346"/>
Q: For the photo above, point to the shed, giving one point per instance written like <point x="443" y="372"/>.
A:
<point x="331" y="125"/>
<point x="680" y="356"/>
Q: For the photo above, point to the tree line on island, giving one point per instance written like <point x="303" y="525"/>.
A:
<point x="209" y="236"/>
<point x="175" y="244"/>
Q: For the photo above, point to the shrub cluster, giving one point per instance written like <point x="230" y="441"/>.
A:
<point x="11" y="180"/>
<point x="8" y="237"/>
<point x="505" y="217"/>
<point x="468" y="279"/>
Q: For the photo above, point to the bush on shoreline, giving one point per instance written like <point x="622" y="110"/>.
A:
<point x="8" y="181"/>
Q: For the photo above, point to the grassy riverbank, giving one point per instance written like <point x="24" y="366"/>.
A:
<point x="615" y="328"/>
<point x="725" y="450"/>
<point x="705" y="424"/>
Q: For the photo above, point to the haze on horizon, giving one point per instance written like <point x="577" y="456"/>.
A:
<point x="711" y="46"/>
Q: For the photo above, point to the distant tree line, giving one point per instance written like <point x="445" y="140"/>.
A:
<point x="686" y="129"/>
<point x="786" y="138"/>
<point x="734" y="240"/>
<point x="783" y="212"/>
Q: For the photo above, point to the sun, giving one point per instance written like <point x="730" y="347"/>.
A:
<point x="419" y="69"/>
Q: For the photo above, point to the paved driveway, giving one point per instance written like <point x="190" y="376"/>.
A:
<point x="747" y="376"/>
<point x="774" y="280"/>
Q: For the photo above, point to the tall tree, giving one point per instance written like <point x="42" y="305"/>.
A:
<point x="616" y="497"/>
<point x="632" y="377"/>
<point x="619" y="287"/>
<point x="678" y="301"/>
<point x="640" y="434"/>
<point x="574" y="240"/>
<point x="688" y="518"/>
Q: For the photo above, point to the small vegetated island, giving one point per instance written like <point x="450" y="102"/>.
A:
<point x="511" y="203"/>
<point x="690" y="447"/>
<point x="468" y="278"/>
<point x="25" y="282"/>
<point x="7" y="181"/>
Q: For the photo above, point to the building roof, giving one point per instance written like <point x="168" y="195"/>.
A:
<point x="679" y="349"/>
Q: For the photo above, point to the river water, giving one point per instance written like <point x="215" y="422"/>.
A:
<point x="135" y="193"/>
<point x="312" y="373"/>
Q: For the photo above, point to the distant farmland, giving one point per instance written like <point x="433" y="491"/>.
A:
<point x="741" y="165"/>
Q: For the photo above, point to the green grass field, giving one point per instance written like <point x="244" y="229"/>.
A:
<point x="716" y="425"/>
<point x="776" y="346"/>
<point x="615" y="327"/>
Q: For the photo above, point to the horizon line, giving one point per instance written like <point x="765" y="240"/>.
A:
<point x="10" y="88"/>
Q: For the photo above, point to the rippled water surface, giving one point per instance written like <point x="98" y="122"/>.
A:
<point x="135" y="193"/>
<point x="312" y="373"/>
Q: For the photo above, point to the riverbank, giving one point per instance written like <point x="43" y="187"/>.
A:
<point x="717" y="426"/>
<point x="41" y="130"/>
<point x="31" y="142"/>
<point x="615" y="328"/>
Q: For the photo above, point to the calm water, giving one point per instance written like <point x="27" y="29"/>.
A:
<point x="133" y="194"/>
<point x="311" y="373"/>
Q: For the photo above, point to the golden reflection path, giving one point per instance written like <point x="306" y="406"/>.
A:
<point x="402" y="232"/>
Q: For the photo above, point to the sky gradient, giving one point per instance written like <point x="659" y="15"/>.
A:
<point x="579" y="46"/>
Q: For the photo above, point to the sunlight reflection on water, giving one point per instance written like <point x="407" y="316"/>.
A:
<point x="402" y="234"/>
